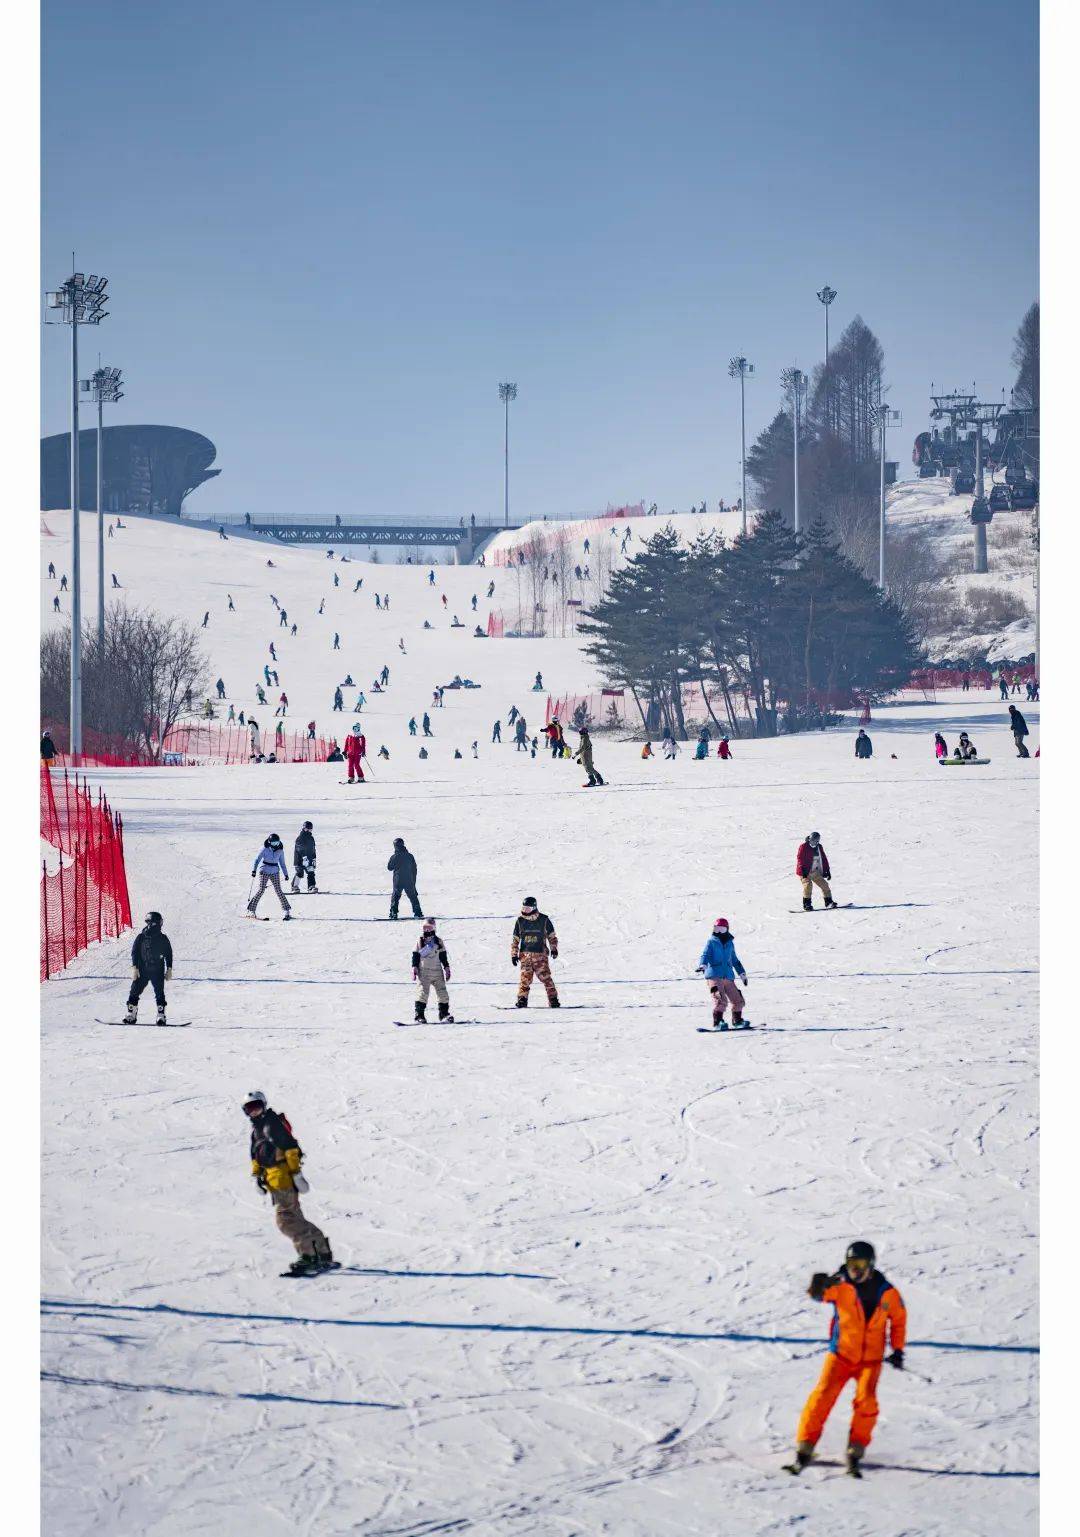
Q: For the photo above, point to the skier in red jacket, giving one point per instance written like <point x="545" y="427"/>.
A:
<point x="812" y="868"/>
<point x="355" y="749"/>
<point x="724" y="750"/>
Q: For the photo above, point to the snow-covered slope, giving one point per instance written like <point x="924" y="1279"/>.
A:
<point x="575" y="1244"/>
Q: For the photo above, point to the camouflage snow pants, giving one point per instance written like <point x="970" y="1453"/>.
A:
<point x="535" y="966"/>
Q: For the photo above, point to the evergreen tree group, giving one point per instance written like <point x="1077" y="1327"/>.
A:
<point x="783" y="623"/>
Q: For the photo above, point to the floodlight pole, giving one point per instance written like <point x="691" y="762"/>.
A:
<point x="881" y="506"/>
<point x="794" y="380"/>
<point x="507" y="393"/>
<point x="100" y="530"/>
<point x="738" y="367"/>
<point x="980" y="528"/>
<point x="76" y="557"/>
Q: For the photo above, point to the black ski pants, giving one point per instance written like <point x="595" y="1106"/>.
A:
<point x="145" y="979"/>
<point x="303" y="868"/>
<point x="408" y="890"/>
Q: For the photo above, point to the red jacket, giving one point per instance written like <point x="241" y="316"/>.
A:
<point x="723" y="751"/>
<point x="355" y="748"/>
<point x="804" y="861"/>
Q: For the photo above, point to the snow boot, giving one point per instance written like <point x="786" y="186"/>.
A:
<point x="854" y="1457"/>
<point x="286" y="917"/>
<point x="521" y="1003"/>
<point x="305" y="1264"/>
<point x="393" y="913"/>
<point x="444" y="1012"/>
<point x="294" y="885"/>
<point x="807" y="905"/>
<point x="553" y="1003"/>
<point x="161" y="1014"/>
<point x="132" y="1015"/>
<point x="830" y="903"/>
<point x="804" y="1455"/>
<point x="325" y="1258"/>
<point x="421" y="1014"/>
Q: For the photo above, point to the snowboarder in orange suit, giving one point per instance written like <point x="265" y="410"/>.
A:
<point x="865" y="1308"/>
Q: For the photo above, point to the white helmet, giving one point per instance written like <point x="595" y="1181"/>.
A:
<point x="256" y="1097"/>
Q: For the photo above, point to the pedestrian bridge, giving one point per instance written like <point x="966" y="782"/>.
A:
<point x="468" y="537"/>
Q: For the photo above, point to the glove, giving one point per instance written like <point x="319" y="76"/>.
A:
<point x="699" y="971"/>
<point x="415" y="975"/>
<point x="819" y="1282"/>
<point x="168" y="973"/>
<point x="744" y="979"/>
<point x="134" y="973"/>
<point x="513" y="960"/>
<point x="448" y="974"/>
<point x="554" y="952"/>
<point x="896" y="1359"/>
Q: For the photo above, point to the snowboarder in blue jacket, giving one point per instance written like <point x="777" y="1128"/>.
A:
<point x="720" y="965"/>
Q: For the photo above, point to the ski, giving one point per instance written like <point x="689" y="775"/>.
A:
<point x="307" y="1275"/>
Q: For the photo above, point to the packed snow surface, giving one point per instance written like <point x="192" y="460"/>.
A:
<point x="575" y="1244"/>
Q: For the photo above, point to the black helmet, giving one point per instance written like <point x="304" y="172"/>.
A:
<point x="399" y="843"/>
<point x="813" y="837"/>
<point x="860" y="1250"/>
<point x="308" y="826"/>
<point x="273" y="842"/>
<point x="153" y="920"/>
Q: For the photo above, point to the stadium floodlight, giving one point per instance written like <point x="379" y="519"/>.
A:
<point x="507" y="393"/>
<point x="826" y="295"/>
<point x="103" y="386"/>
<point x="739" y="368"/>
<point x="795" y="383"/>
<point x="76" y="304"/>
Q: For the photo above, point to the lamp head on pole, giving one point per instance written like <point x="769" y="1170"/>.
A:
<point x="507" y="392"/>
<point x="826" y="295"/>
<point x="739" y="367"/>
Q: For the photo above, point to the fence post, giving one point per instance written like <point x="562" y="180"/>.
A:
<point x="45" y="916"/>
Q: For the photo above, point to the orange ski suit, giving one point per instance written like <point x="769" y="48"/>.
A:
<point x="856" y="1350"/>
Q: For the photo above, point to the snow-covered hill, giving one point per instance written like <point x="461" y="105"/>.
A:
<point x="575" y="1244"/>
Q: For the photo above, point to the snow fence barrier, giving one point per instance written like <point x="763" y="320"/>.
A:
<point x="86" y="898"/>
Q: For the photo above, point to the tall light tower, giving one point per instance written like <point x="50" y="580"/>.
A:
<point x="738" y="368"/>
<point x="79" y="301"/>
<point x="795" y="383"/>
<point x="103" y="387"/>
<point x="827" y="295"/>
<point x="883" y="416"/>
<point x="507" y="393"/>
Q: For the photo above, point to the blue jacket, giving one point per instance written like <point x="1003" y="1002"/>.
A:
<point x="719" y="960"/>
<point x="270" y="859"/>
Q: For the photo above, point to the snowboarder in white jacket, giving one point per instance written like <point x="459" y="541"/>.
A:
<point x="431" y="969"/>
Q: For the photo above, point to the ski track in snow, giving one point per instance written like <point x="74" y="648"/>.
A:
<point x="575" y="1244"/>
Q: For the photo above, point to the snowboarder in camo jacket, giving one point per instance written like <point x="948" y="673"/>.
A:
<point x="533" y="941"/>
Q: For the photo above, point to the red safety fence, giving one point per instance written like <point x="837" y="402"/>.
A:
<point x="192" y="744"/>
<point x="87" y="898"/>
<point x="496" y="625"/>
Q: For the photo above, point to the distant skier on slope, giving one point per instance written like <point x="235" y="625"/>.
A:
<point x="431" y="969"/>
<point x="865" y="1307"/>
<point x="1019" y="728"/>
<point x="304" y="858"/>
<point x="864" y="748"/>
<point x="812" y="868"/>
<point x="151" y="966"/>
<point x="269" y="866"/>
<point x="670" y="748"/>
<point x="355" y="749"/>
<point x="520" y="734"/>
<point x="719" y="965"/>
<point x="496" y="731"/>
<point x="534" y="939"/>
<point x="724" y="749"/>
<point x="275" y="1166"/>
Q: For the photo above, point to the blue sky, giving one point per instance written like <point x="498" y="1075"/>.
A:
<point x="331" y="229"/>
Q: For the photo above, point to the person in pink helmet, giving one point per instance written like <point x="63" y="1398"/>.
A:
<point x="720" y="965"/>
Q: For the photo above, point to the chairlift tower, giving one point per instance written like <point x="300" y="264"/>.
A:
<point x="980" y="414"/>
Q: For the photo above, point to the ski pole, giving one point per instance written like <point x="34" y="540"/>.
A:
<point x="907" y="1371"/>
<point x="367" y="764"/>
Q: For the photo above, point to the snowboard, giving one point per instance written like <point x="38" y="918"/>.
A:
<point x="960" y="762"/>
<point x="148" y="1024"/>
<point x="838" y="908"/>
<point x="453" y="1020"/>
<point x="731" y="1029"/>
<point x="512" y="1008"/>
<point x="287" y="1275"/>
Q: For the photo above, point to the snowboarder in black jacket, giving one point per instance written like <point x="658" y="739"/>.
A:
<point x="1019" y="728"/>
<point x="403" y="867"/>
<point x="304" y="858"/>
<point x="151" y="966"/>
<point x="864" y="748"/>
